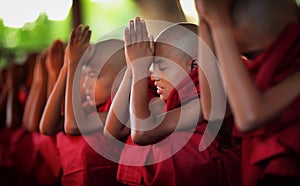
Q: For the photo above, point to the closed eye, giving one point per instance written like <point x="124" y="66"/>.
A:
<point x="162" y="68"/>
<point x="161" y="64"/>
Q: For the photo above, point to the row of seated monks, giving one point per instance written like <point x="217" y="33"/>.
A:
<point x="214" y="104"/>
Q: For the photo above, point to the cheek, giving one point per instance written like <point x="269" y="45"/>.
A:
<point x="82" y="85"/>
<point x="168" y="87"/>
<point x="102" y="91"/>
<point x="175" y="76"/>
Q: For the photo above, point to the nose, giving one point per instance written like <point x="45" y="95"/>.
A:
<point x="155" y="74"/>
<point x="154" y="77"/>
<point x="87" y="84"/>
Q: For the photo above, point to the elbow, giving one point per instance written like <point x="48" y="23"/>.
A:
<point x="206" y="114"/>
<point x="47" y="132"/>
<point x="45" y="127"/>
<point x="71" y="128"/>
<point x="248" y="122"/>
<point x="205" y="110"/>
<point x="140" y="138"/>
<point x="110" y="133"/>
<point x="72" y="131"/>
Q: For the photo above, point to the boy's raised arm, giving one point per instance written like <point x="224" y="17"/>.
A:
<point x="37" y="96"/>
<point x="118" y="115"/>
<point x="251" y="108"/>
<point x="146" y="127"/>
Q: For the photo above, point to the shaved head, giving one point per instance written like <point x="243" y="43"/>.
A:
<point x="106" y="53"/>
<point x="182" y="36"/>
<point x="269" y="15"/>
<point x="261" y="20"/>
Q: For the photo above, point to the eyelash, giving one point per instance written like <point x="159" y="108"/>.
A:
<point x="162" y="69"/>
<point x="93" y="76"/>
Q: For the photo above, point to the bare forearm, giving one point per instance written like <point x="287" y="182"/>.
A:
<point x="251" y="108"/>
<point x="211" y="85"/>
<point x="119" y="112"/>
<point x="70" y="121"/>
<point x="205" y="44"/>
<point x="38" y="91"/>
<point x="52" y="78"/>
<point x="184" y="118"/>
<point x="51" y="118"/>
<point x="139" y="95"/>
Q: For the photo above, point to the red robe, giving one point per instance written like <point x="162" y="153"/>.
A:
<point x="35" y="157"/>
<point x="271" y="154"/>
<point x="81" y="164"/>
<point x="217" y="165"/>
<point x="6" y="133"/>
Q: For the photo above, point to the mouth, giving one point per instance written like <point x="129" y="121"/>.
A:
<point x="89" y="98"/>
<point x="159" y="90"/>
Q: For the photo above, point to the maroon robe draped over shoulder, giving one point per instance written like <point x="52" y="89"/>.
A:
<point x="35" y="157"/>
<point x="271" y="154"/>
<point x="217" y="165"/>
<point x="81" y="164"/>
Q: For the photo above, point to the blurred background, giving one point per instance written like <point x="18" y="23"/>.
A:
<point x="32" y="25"/>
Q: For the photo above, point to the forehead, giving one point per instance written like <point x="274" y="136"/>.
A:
<point x="167" y="51"/>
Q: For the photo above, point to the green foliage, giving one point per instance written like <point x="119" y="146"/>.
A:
<point x="106" y="16"/>
<point x="37" y="36"/>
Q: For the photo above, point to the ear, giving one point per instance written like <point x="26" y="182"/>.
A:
<point x="192" y="64"/>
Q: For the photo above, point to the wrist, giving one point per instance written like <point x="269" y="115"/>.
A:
<point x="139" y="73"/>
<point x="71" y="68"/>
<point x="128" y="72"/>
<point x="53" y="75"/>
<point x="219" y="22"/>
<point x="141" y="65"/>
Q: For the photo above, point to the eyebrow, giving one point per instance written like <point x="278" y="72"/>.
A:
<point x="92" y="72"/>
<point x="159" y="61"/>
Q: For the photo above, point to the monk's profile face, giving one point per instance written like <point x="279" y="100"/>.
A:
<point x="97" y="87"/>
<point x="169" y="68"/>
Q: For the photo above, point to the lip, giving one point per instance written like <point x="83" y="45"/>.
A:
<point x="159" y="90"/>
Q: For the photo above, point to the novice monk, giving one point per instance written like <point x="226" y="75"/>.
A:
<point x="36" y="163"/>
<point x="16" y="80"/>
<point x="81" y="165"/>
<point x="174" y="67"/>
<point x="263" y="92"/>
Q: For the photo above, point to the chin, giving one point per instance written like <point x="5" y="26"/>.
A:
<point x="163" y="98"/>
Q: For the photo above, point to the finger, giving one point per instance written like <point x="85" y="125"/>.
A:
<point x="132" y="32"/>
<point x="144" y="31"/>
<point x="78" y="33"/>
<point x="72" y="36"/>
<point x="88" y="36"/>
<point x="138" y="28"/>
<point x="127" y="36"/>
<point x="152" y="43"/>
<point x="85" y="34"/>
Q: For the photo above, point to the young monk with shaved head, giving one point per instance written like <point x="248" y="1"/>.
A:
<point x="164" y="127"/>
<point x="101" y="63"/>
<point x="263" y="91"/>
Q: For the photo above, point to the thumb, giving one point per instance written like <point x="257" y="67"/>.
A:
<point x="152" y="43"/>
